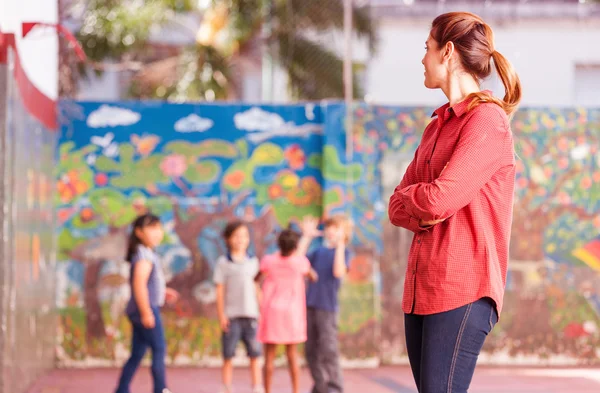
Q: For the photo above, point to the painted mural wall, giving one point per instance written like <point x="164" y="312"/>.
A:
<point x="200" y="165"/>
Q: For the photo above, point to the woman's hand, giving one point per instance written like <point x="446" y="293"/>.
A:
<point x="425" y="224"/>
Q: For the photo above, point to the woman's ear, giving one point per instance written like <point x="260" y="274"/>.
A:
<point x="448" y="50"/>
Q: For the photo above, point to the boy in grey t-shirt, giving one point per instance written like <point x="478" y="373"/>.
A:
<point x="237" y="302"/>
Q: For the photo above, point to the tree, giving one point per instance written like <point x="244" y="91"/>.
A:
<point x="231" y="36"/>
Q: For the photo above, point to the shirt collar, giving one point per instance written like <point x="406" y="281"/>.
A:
<point x="459" y="109"/>
<point x="230" y="258"/>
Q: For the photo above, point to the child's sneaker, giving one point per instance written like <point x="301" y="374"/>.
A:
<point x="258" y="389"/>
<point x="226" y="389"/>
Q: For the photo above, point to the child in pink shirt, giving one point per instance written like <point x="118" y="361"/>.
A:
<point x="283" y="305"/>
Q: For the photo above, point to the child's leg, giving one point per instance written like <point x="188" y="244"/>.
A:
<point x="229" y="341"/>
<point x="227" y="373"/>
<point x="314" y="358"/>
<point x="155" y="338"/>
<point x="255" y="371"/>
<point x="292" y="358"/>
<point x="328" y="343"/>
<point x="253" y="348"/>
<point x="268" y="369"/>
<point x="138" y="350"/>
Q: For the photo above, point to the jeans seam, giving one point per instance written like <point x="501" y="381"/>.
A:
<point x="457" y="346"/>
<point x="491" y="315"/>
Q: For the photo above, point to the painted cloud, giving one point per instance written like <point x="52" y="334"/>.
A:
<point x="112" y="116"/>
<point x="256" y="119"/>
<point x="193" y="123"/>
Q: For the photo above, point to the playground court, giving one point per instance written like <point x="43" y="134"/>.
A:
<point x="381" y="380"/>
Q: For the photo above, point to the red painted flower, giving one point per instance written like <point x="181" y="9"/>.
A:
<point x="101" y="179"/>
<point x="295" y="156"/>
<point x="275" y="191"/>
<point x="235" y="179"/>
<point x="575" y="330"/>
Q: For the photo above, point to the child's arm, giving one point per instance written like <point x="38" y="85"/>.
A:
<point x="339" y="259"/>
<point x="309" y="232"/>
<point x="258" y="291"/>
<point x="223" y="320"/>
<point x="141" y="273"/>
<point x="312" y="275"/>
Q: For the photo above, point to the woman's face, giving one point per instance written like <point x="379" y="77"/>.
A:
<point x="436" y="71"/>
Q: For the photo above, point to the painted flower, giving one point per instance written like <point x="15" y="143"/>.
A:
<point x="174" y="165"/>
<point x="275" y="191"/>
<point x="575" y="330"/>
<point x="289" y="179"/>
<point x="563" y="163"/>
<point x="295" y="156"/>
<point x="234" y="179"/>
<point x="70" y="186"/>
<point x="101" y="179"/>
<point x="586" y="183"/>
<point x="87" y="214"/>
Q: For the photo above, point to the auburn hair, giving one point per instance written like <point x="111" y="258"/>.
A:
<point x="473" y="40"/>
<point x="341" y="221"/>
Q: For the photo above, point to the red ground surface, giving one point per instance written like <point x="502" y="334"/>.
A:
<point x="381" y="380"/>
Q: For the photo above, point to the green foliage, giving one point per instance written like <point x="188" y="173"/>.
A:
<point x="315" y="160"/>
<point x="207" y="148"/>
<point x="335" y="170"/>
<point x="131" y="173"/>
<point x="66" y="243"/>
<point x="207" y="171"/>
<point x="120" y="29"/>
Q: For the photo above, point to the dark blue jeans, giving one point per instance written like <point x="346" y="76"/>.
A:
<point x="443" y="348"/>
<point x="143" y="339"/>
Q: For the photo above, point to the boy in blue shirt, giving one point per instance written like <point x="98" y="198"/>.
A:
<point x="331" y="262"/>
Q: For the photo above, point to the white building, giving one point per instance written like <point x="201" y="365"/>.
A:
<point x="553" y="45"/>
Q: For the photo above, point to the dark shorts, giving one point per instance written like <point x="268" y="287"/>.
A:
<point x="243" y="329"/>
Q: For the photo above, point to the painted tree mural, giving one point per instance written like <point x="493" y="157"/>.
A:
<point x="198" y="166"/>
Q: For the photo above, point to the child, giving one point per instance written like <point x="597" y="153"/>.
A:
<point x="283" y="306"/>
<point x="148" y="293"/>
<point x="237" y="302"/>
<point x="330" y="261"/>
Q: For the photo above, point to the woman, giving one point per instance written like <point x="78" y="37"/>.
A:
<point x="457" y="197"/>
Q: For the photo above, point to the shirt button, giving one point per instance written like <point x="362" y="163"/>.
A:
<point x="419" y="241"/>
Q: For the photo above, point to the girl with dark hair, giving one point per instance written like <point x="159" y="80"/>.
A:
<point x="457" y="197"/>
<point x="148" y="293"/>
<point x="283" y="306"/>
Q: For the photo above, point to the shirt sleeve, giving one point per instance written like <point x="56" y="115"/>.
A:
<point x="219" y="273"/>
<point x="264" y="264"/>
<point x="396" y="212"/>
<point x="476" y="158"/>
